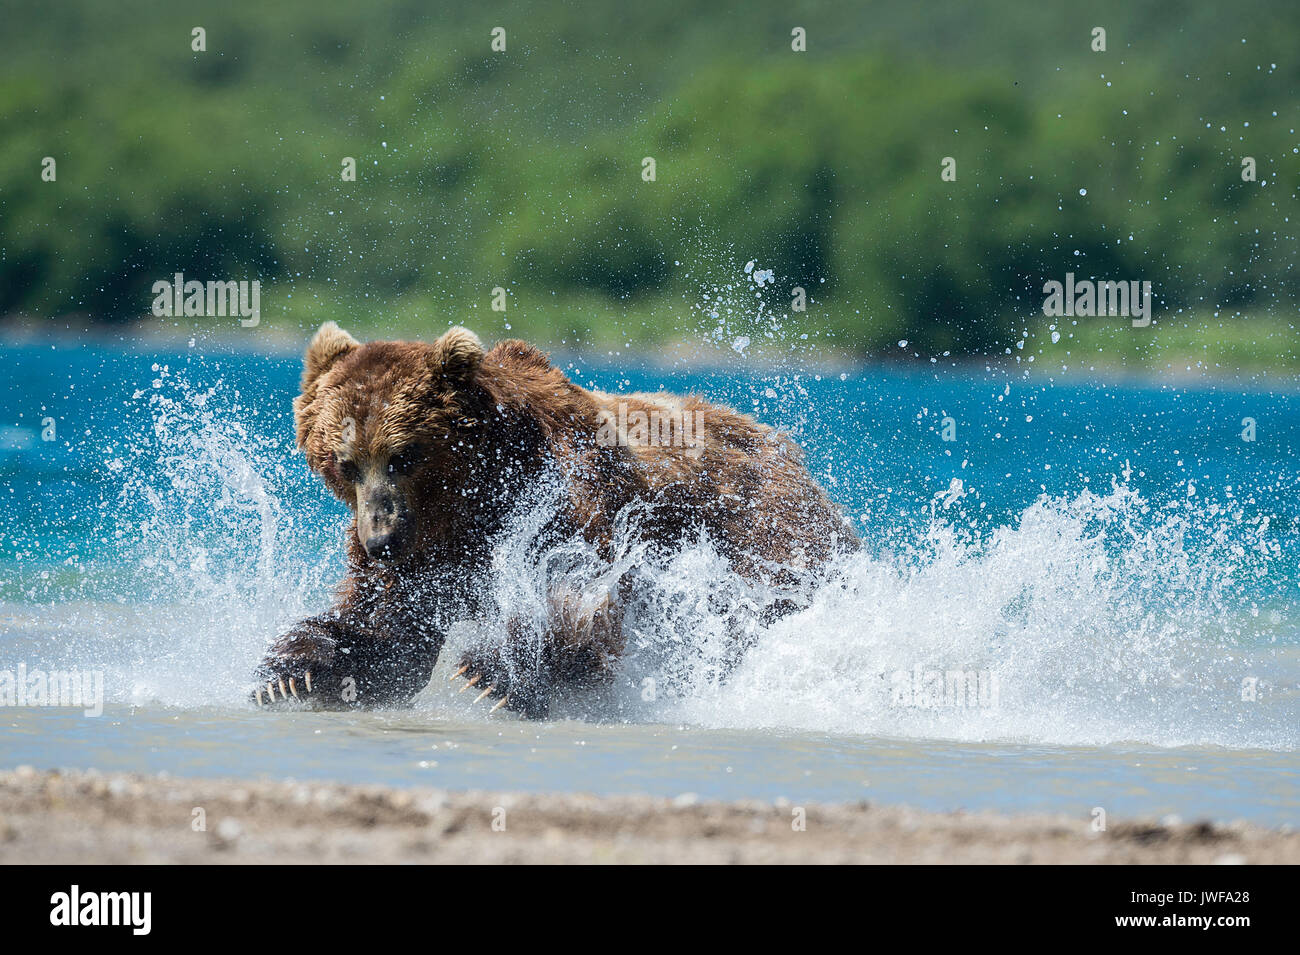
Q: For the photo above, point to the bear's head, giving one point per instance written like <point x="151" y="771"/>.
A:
<point x="391" y="428"/>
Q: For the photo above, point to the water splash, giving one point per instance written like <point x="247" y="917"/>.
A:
<point x="1098" y="617"/>
<point x="205" y="561"/>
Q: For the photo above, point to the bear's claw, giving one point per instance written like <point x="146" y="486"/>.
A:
<point x="285" y="692"/>
<point x="471" y="681"/>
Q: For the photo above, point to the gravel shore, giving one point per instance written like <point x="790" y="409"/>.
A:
<point x="81" y="817"/>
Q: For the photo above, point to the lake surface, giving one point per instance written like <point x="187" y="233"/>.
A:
<point x="1113" y="568"/>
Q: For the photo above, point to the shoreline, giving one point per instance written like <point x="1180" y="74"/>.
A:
<point x="88" y="817"/>
<point x="676" y="356"/>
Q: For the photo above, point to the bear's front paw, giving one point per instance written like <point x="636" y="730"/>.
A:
<point x="484" y="671"/>
<point x="487" y="671"/>
<point x="300" y="666"/>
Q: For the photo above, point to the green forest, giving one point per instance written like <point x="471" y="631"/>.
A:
<point x="524" y="168"/>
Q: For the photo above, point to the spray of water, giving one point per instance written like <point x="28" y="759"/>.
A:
<point x="1089" y="618"/>
<point x="216" y="561"/>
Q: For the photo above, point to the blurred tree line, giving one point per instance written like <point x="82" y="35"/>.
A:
<point x="523" y="169"/>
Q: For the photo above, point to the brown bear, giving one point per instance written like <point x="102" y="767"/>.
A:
<point x="434" y="447"/>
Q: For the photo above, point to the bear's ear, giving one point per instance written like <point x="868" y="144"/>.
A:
<point x="458" y="353"/>
<point x="327" y="346"/>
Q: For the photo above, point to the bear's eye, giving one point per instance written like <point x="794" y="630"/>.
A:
<point x="349" y="471"/>
<point x="403" y="462"/>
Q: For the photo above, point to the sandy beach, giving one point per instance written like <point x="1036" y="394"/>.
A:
<point x="88" y="817"/>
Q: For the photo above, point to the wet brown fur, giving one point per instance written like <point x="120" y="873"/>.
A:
<point x="482" y="426"/>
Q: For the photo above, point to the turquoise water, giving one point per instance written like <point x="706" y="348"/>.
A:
<point x="1115" y="560"/>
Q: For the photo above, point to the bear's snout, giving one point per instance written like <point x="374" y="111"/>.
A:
<point x="384" y="546"/>
<point x="383" y="521"/>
